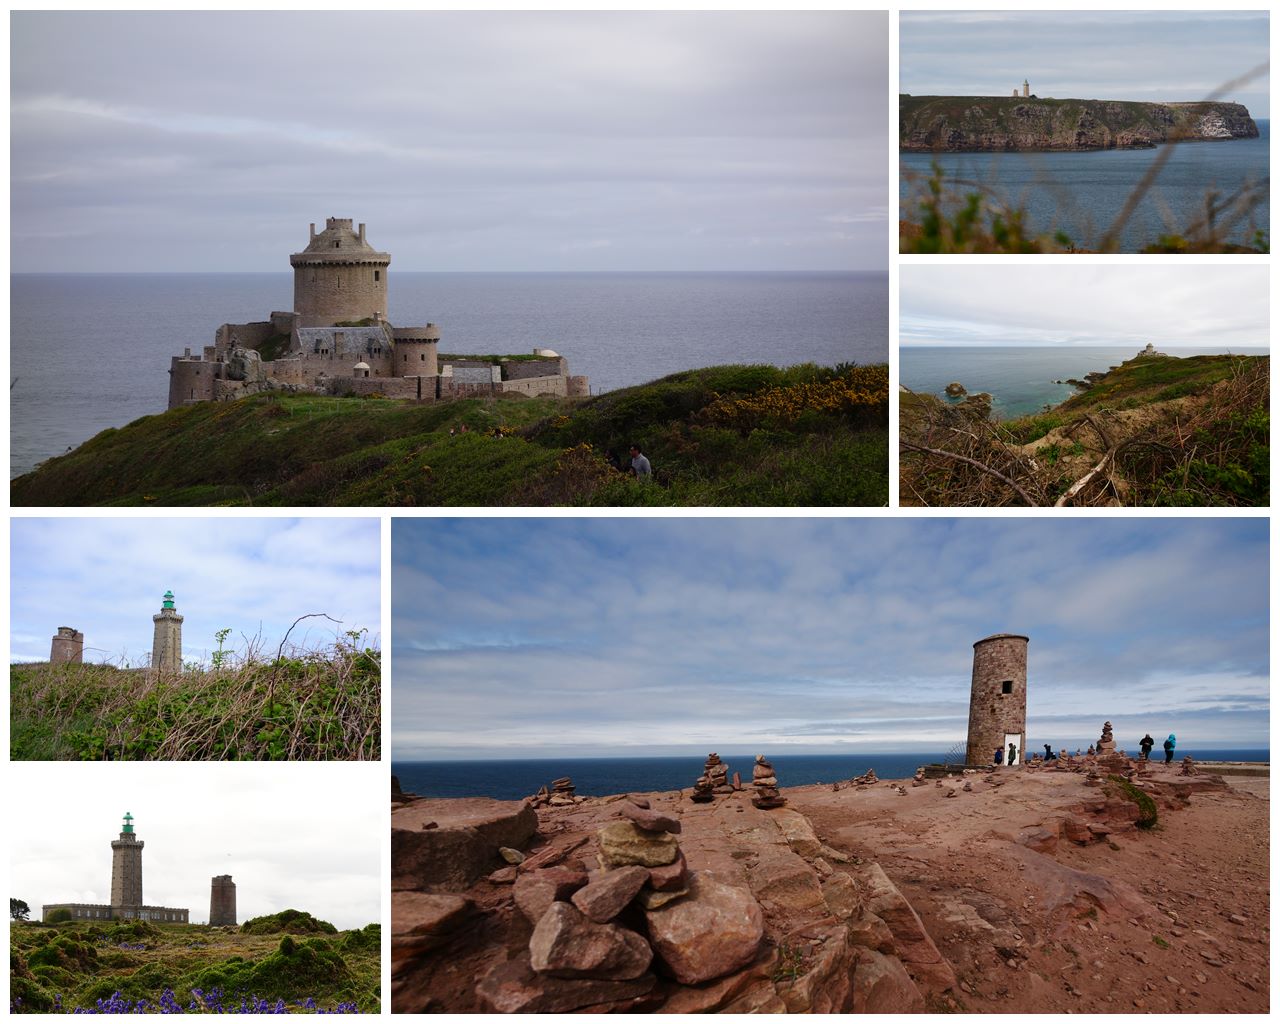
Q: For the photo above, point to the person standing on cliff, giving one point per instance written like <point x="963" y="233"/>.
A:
<point x="1169" y="744"/>
<point x="1013" y="755"/>
<point x="639" y="464"/>
<point x="1146" y="744"/>
<point x="999" y="758"/>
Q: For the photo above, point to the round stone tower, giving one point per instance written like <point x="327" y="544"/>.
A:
<point x="126" y="871"/>
<point x="67" y="647"/>
<point x="339" y="277"/>
<point x="166" y="646"/>
<point x="998" y="699"/>
<point x="222" y="900"/>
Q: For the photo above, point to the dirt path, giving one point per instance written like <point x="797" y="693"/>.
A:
<point x="1171" y="919"/>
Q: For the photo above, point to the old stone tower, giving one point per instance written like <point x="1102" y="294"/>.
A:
<point x="339" y="277"/>
<point x="166" y="648"/>
<point x="222" y="900"/>
<point x="1026" y="88"/>
<point x="126" y="868"/>
<point x="998" y="698"/>
<point x="67" y="647"/>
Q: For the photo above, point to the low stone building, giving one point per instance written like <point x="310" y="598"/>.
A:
<point x="337" y="340"/>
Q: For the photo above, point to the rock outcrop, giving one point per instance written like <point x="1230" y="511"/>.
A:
<point x="929" y="124"/>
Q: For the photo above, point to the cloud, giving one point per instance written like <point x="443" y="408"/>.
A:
<point x="609" y="636"/>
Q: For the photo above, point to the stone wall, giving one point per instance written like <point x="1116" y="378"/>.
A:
<point x="103" y="912"/>
<point x="557" y="385"/>
<point x="524" y="368"/>
<point x="998" y="662"/>
<point x="190" y="380"/>
<point x="388" y="387"/>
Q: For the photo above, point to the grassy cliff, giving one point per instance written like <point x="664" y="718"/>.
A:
<point x="320" y="706"/>
<point x="1155" y="430"/>
<point x="728" y="435"/>
<point x="137" y="967"/>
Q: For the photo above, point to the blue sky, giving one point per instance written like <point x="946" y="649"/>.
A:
<point x="1153" y="56"/>
<point x="595" y="637"/>
<point x="107" y="577"/>
<point x="499" y="141"/>
<point x="1174" y="306"/>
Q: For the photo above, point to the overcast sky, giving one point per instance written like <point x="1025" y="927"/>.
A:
<point x="1154" y="56"/>
<point x="107" y="577"/>
<point x="599" y="637"/>
<point x="1171" y="306"/>
<point x="306" y="836"/>
<point x="179" y="141"/>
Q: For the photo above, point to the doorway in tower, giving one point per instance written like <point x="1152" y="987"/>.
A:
<point x="1013" y="748"/>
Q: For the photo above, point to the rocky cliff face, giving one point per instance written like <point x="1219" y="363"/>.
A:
<point x="984" y="124"/>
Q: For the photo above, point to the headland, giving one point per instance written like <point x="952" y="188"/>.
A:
<point x="976" y="124"/>
<point x="1076" y="885"/>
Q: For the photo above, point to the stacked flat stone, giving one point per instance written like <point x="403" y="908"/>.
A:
<point x="766" y="785"/>
<point x="717" y="773"/>
<point x="867" y="778"/>
<point x="1189" y="766"/>
<point x="1106" y="745"/>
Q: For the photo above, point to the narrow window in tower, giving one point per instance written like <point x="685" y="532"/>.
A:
<point x="1006" y="686"/>
<point x="377" y="275"/>
<point x="336" y="244"/>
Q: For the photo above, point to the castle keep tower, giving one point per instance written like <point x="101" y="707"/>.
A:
<point x="166" y="648"/>
<point x="222" y="900"/>
<point x="126" y="870"/>
<point x="67" y="647"/>
<point x="998" y="698"/>
<point x="339" y="277"/>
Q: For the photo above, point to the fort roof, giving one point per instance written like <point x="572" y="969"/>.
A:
<point x="338" y="243"/>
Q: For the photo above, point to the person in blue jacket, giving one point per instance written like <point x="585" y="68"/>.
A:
<point x="1169" y="744"/>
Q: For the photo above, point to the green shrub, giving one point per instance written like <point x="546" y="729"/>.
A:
<point x="1147" y="814"/>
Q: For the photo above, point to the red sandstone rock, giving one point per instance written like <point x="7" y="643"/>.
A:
<point x="603" y="898"/>
<point x="712" y="932"/>
<point x="567" y="944"/>
<point x="668" y="877"/>
<point x="421" y="921"/>
<point x="842" y="896"/>
<point x="882" y="985"/>
<point x="464" y="846"/>
<point x="535" y="891"/>
<point x="651" y="820"/>
<point x="871" y="932"/>
<point x="513" y="987"/>
<point x="915" y="948"/>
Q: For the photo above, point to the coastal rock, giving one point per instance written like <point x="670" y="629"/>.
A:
<point x="422" y="921"/>
<point x="668" y="877"/>
<point x="510" y="855"/>
<point x="535" y="891"/>
<point x="513" y="987"/>
<point x="604" y="897"/>
<point x="955" y="389"/>
<point x="842" y="896"/>
<point x="712" y="932"/>
<point x="882" y="985"/>
<point x="915" y="948"/>
<point x="871" y="931"/>
<point x="647" y="818"/>
<point x="623" y="843"/>
<point x="651" y="899"/>
<point x="567" y="944"/>
<point x="463" y="846"/>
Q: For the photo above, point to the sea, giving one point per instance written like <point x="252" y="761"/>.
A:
<point x="1020" y="380"/>
<point x="605" y="776"/>
<point x="91" y="351"/>
<point x="1082" y="193"/>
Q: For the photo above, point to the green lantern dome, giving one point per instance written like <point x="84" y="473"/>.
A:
<point x="128" y="822"/>
<point x="168" y="599"/>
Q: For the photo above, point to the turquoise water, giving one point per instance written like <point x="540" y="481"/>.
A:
<point x="604" y="776"/>
<point x="1019" y="380"/>
<point x="91" y="351"/>
<point x="1081" y="193"/>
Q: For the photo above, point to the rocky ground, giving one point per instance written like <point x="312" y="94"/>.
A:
<point x="1032" y="890"/>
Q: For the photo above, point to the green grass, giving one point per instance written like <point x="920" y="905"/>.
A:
<point x="77" y="964"/>
<point x="1147" y="813"/>
<point x="280" y="449"/>
<point x="310" y="706"/>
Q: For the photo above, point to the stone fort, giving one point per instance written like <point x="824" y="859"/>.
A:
<point x="337" y="341"/>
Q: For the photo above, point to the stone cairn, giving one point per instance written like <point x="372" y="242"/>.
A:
<point x="867" y="778"/>
<point x="560" y="794"/>
<point x="1106" y="745"/>
<point x="919" y="778"/>
<point x="598" y="933"/>
<point x="1189" y="766"/>
<point x="766" y="785"/>
<point x="713" y="781"/>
